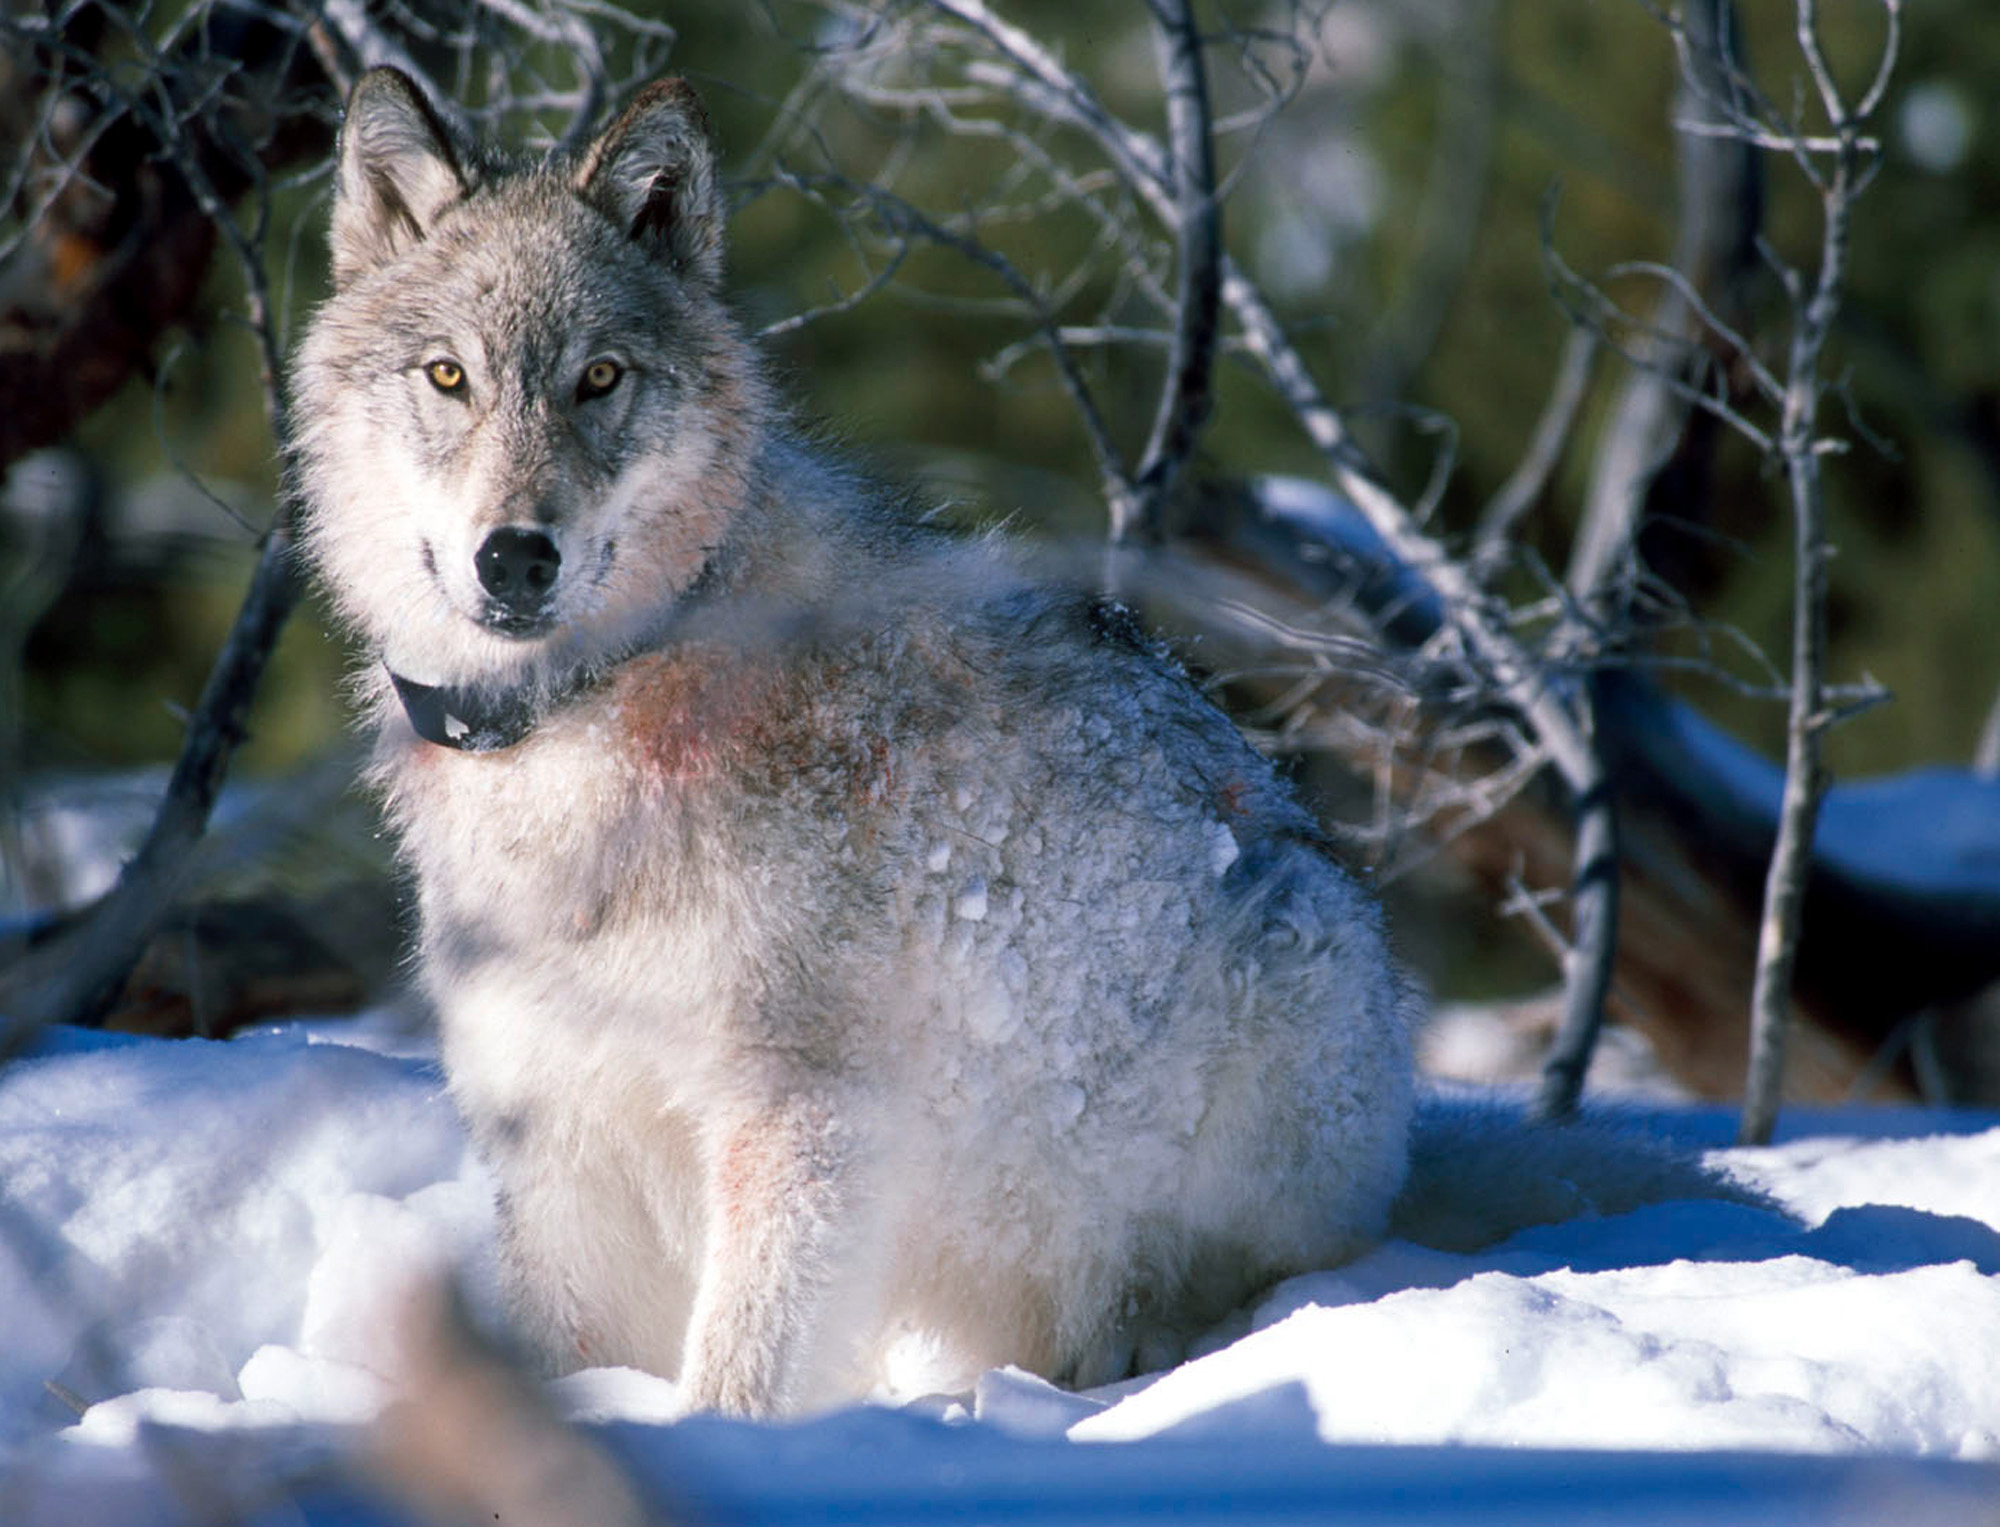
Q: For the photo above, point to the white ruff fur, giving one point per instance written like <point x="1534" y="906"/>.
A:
<point x="869" y="948"/>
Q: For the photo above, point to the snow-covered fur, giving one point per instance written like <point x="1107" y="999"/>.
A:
<point x="838" y="935"/>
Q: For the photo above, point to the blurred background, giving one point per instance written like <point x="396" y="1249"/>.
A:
<point x="1400" y="213"/>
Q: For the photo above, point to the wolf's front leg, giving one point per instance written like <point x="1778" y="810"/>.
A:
<point x="790" y="1268"/>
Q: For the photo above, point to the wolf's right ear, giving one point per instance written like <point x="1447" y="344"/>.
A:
<point x="652" y="172"/>
<point x="398" y="170"/>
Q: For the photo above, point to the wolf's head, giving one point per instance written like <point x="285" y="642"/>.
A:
<point x="524" y="416"/>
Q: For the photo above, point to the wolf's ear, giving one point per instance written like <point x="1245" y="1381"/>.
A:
<point x="398" y="170"/>
<point x="652" y="172"/>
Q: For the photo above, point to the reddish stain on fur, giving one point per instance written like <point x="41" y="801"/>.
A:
<point x="705" y="710"/>
<point x="691" y="711"/>
<point x="751" y="1177"/>
<point x="786" y="1158"/>
<point x="881" y="774"/>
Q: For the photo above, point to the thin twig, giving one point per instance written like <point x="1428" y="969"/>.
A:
<point x="1524" y="486"/>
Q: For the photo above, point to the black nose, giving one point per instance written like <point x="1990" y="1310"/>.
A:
<point x="518" y="568"/>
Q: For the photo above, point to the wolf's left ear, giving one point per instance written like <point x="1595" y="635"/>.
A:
<point x="652" y="172"/>
<point x="398" y="170"/>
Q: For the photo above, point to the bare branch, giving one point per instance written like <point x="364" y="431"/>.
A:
<point x="96" y="964"/>
<point x="1719" y="206"/>
<point x="1744" y="355"/>
<point x="1588" y="963"/>
<point x="1768" y="138"/>
<point x="1986" y="755"/>
<point x="1800" y="450"/>
<point x="1885" y="68"/>
<point x="1530" y="477"/>
<point x="1186" y="395"/>
<point x="903" y="220"/>
<point x="1587" y="305"/>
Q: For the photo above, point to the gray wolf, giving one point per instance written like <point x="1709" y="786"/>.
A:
<point x="846" y="944"/>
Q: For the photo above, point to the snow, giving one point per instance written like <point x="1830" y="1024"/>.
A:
<point x="207" y="1243"/>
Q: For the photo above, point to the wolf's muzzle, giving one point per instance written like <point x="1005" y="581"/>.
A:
<point x="517" y="568"/>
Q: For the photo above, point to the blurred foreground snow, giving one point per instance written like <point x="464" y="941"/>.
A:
<point x="202" y="1247"/>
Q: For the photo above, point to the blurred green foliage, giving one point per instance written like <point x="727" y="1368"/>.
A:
<point x="1573" y="92"/>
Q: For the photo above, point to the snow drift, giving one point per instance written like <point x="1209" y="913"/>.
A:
<point x="202" y="1246"/>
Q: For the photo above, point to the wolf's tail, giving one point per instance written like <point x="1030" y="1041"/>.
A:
<point x="1481" y="1169"/>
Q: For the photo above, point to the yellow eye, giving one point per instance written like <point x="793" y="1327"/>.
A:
<point x="445" y="375"/>
<point x="599" y="377"/>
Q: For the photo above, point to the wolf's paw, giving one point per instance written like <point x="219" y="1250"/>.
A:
<point x="1142" y="1345"/>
